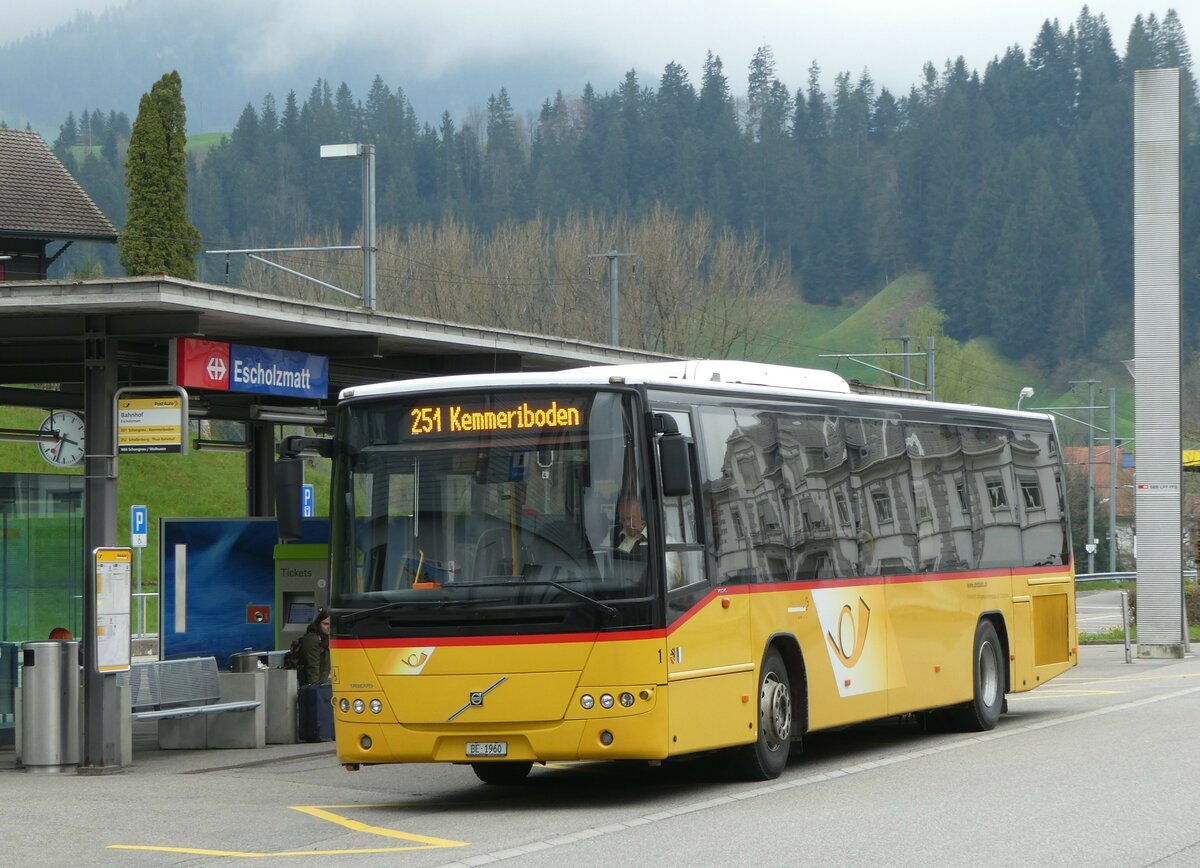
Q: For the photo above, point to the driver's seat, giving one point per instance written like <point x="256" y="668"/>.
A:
<point x="493" y="553"/>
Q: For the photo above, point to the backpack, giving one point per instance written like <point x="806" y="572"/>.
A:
<point x="291" y="660"/>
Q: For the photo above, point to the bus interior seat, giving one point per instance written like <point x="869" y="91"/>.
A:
<point x="493" y="553"/>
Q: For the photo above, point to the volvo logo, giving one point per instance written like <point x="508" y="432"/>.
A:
<point x="476" y="698"/>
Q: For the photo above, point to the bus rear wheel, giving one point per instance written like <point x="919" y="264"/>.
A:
<point x="767" y="757"/>
<point x="501" y="774"/>
<point x="983" y="711"/>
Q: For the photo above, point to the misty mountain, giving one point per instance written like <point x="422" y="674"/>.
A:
<point x="231" y="53"/>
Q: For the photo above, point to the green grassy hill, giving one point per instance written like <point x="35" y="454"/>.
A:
<point x="198" y="146"/>
<point x="973" y="373"/>
<point x="885" y="316"/>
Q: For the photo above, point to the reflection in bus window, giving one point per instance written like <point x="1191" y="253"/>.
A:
<point x="810" y="496"/>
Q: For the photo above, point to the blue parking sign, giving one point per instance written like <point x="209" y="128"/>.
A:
<point x="139" y="526"/>
<point x="308" y="497"/>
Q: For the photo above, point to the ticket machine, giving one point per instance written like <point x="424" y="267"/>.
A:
<point x="301" y="587"/>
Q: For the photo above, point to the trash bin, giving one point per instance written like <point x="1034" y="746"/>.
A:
<point x="247" y="661"/>
<point x="50" y="706"/>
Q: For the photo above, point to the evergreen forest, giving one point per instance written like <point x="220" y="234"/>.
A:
<point x="1011" y="187"/>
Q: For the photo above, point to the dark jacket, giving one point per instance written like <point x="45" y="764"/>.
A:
<point x="314" y="656"/>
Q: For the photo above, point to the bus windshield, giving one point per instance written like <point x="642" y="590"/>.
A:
<point x="491" y="512"/>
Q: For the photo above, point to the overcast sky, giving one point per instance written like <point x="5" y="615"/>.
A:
<point x="894" y="39"/>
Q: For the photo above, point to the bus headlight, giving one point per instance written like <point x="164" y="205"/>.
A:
<point x="344" y="705"/>
<point x="376" y="706"/>
<point x="606" y="700"/>
<point x="359" y="706"/>
<point x="587" y="701"/>
<point x="626" y="700"/>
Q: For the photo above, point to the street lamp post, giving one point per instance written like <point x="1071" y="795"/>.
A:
<point x="1112" y="480"/>
<point x="1026" y="392"/>
<point x="366" y="153"/>
<point x="1090" y="546"/>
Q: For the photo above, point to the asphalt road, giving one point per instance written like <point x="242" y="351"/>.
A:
<point x="1096" y="611"/>
<point x="1097" y="768"/>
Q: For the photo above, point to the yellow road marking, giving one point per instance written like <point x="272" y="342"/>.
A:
<point x="1077" y="685"/>
<point x="1049" y="693"/>
<point x="417" y="842"/>
<point x="1120" y="679"/>
<point x="355" y="826"/>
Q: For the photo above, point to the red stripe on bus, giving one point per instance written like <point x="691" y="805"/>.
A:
<point x="475" y="641"/>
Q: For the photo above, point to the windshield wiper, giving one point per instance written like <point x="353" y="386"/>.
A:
<point x="610" y="614"/>
<point x="396" y="604"/>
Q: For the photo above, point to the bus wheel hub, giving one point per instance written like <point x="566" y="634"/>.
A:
<point x="775" y="711"/>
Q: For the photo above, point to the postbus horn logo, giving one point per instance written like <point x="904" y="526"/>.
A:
<point x="855" y="631"/>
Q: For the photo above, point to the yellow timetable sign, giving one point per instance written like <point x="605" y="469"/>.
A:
<point x="112" y="568"/>
<point x="150" y="424"/>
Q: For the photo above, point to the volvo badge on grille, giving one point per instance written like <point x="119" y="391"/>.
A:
<point x="476" y="698"/>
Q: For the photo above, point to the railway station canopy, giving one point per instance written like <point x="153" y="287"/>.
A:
<point x="45" y="327"/>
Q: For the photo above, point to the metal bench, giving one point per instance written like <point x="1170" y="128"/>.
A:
<point x="195" y="706"/>
<point x="166" y="689"/>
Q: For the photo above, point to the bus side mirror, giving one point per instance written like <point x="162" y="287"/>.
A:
<point x="289" y="477"/>
<point x="674" y="465"/>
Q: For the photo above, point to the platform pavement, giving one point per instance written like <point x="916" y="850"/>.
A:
<point x="148" y="757"/>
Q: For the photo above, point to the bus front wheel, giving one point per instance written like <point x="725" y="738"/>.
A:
<point x="768" y="756"/>
<point x="501" y="774"/>
<point x="983" y="711"/>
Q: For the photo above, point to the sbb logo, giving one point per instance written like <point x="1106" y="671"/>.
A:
<point x="202" y="364"/>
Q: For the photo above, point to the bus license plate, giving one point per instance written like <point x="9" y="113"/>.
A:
<point x="487" y="748"/>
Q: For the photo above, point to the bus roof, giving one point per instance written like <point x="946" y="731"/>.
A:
<point x="707" y="374"/>
<point x="700" y="371"/>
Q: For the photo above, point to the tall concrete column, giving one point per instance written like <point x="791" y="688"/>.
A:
<point x="1159" y="493"/>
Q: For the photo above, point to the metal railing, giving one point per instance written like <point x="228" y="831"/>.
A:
<point x="1083" y="578"/>
<point x="140" y="602"/>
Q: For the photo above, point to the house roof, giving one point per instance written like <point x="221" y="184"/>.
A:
<point x="38" y="197"/>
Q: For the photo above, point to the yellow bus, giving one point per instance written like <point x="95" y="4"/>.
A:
<point x="806" y="558"/>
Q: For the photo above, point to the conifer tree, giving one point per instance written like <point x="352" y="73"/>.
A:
<point x="157" y="237"/>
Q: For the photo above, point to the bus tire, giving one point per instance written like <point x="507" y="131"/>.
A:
<point x="767" y="757"/>
<point x="501" y="774"/>
<point x="987" y="667"/>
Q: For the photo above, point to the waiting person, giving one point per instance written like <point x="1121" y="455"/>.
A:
<point x="314" y="651"/>
<point x="315" y="694"/>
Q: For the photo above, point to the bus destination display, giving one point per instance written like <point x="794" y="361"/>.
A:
<point x="525" y="416"/>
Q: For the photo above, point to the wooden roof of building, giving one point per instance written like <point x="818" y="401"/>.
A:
<point x="40" y="199"/>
